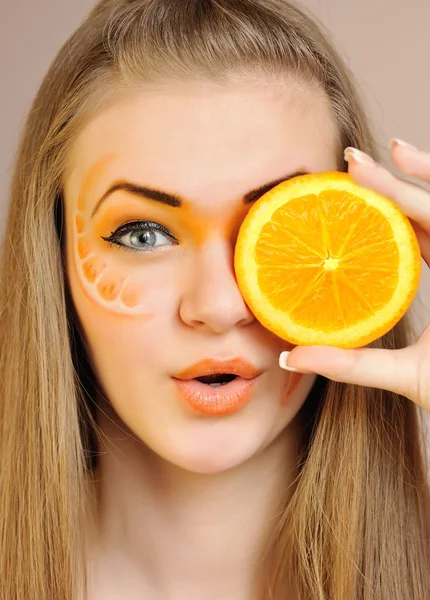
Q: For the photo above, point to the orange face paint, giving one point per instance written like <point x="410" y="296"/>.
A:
<point x="293" y="381"/>
<point x="92" y="268"/>
<point x="98" y="169"/>
<point x="112" y="276"/>
<point x="102" y="275"/>
<point x="203" y="229"/>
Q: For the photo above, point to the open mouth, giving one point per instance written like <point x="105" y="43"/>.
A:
<point x="215" y="387"/>
<point x="217" y="380"/>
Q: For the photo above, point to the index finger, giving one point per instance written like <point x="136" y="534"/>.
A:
<point x="413" y="200"/>
<point x="410" y="160"/>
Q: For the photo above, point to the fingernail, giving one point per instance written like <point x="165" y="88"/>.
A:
<point x="283" y="358"/>
<point x="395" y="141"/>
<point x="358" y="156"/>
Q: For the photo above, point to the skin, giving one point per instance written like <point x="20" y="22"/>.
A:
<point x="169" y="478"/>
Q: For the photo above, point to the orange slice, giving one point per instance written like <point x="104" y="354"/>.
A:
<point x="321" y="260"/>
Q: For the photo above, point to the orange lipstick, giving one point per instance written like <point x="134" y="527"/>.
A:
<point x="217" y="387"/>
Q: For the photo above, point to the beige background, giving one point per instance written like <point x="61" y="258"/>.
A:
<point x="386" y="43"/>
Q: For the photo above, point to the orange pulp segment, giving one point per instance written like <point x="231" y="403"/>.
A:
<point x="321" y="260"/>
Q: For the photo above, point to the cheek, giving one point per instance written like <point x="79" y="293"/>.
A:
<point x="124" y="350"/>
<point x="117" y="337"/>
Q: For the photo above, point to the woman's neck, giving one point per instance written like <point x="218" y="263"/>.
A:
<point x="163" y="532"/>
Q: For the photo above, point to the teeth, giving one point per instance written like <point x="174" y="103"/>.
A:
<point x="215" y="384"/>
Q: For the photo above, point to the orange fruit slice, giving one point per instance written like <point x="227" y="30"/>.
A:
<point x="321" y="260"/>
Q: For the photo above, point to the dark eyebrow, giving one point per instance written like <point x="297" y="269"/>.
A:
<point x="138" y="190"/>
<point x="254" y="195"/>
<point x="177" y="201"/>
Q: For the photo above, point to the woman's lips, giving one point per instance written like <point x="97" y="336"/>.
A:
<point x="221" y="400"/>
<point x="214" y="366"/>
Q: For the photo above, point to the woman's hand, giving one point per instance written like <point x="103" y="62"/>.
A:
<point x="405" y="371"/>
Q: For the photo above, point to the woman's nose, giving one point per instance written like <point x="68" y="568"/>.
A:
<point x="212" y="299"/>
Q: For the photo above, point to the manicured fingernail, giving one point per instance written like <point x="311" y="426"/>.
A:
<point x="396" y="141"/>
<point x="358" y="156"/>
<point x="283" y="358"/>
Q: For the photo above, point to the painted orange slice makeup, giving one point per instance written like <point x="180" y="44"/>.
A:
<point x="92" y="268"/>
<point x="98" y="276"/>
<point x="100" y="279"/>
<point x="109" y="286"/>
<point x="80" y="224"/>
<point x="83" y="247"/>
<point x="131" y="295"/>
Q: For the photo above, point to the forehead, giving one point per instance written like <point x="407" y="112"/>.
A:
<point x="192" y="138"/>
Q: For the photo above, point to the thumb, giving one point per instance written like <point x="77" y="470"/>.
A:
<point x="392" y="370"/>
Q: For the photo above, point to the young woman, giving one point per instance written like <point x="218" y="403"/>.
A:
<point x="157" y="126"/>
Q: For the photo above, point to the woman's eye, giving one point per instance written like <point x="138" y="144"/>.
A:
<point x="141" y="236"/>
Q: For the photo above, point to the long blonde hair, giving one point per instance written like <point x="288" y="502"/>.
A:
<point x="355" y="528"/>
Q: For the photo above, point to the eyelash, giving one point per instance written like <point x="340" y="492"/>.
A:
<point x="132" y="227"/>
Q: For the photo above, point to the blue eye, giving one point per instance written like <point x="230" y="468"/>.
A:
<point x="141" y="236"/>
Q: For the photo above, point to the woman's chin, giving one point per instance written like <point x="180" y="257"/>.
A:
<point x="217" y="443"/>
<point x="216" y="447"/>
<point x="212" y="462"/>
<point x="210" y="444"/>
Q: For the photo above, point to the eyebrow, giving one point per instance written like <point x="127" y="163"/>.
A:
<point x="175" y="200"/>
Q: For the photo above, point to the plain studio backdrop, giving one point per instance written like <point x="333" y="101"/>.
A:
<point x="386" y="43"/>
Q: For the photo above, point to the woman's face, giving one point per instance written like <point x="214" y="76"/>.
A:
<point x="156" y="298"/>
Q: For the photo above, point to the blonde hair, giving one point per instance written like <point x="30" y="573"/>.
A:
<point x="355" y="528"/>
